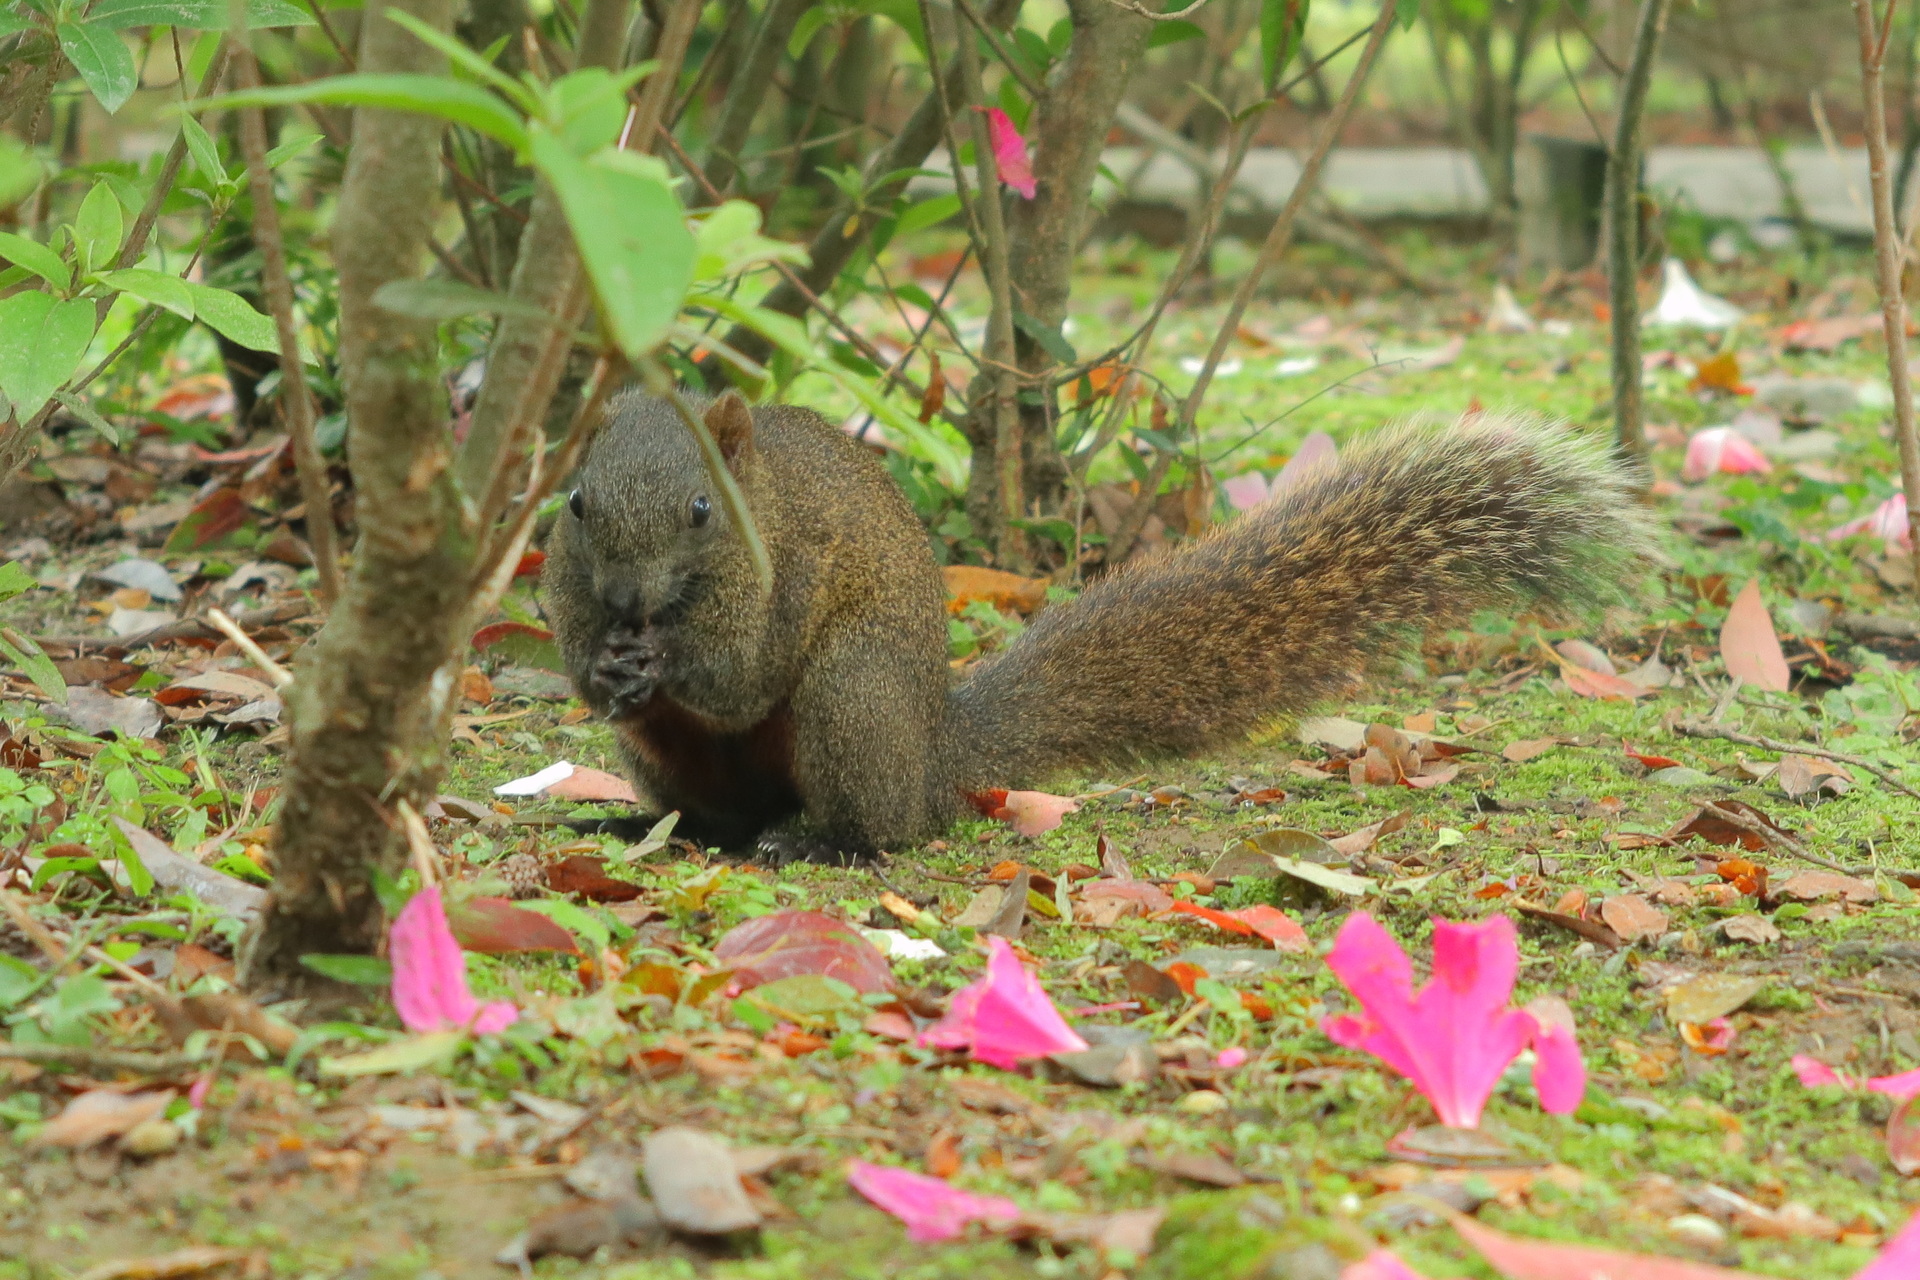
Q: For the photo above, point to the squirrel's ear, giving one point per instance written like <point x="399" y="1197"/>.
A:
<point x="731" y="424"/>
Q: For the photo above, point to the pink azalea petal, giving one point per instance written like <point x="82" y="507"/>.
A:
<point x="1559" y="1073"/>
<point x="1034" y="813"/>
<point x="1316" y="450"/>
<point x="932" y="1209"/>
<point x="1900" y="1087"/>
<point x="430" y="974"/>
<point x="1010" y="156"/>
<point x="1455" y="1038"/>
<point x="1815" y="1074"/>
<point x="1900" y="1260"/>
<point x="1003" y="1017"/>
<point x="1888" y="522"/>
<point x="1246" y="491"/>
<point x="1381" y="1264"/>
<point x="1229" y="1058"/>
<point x="197" y="1095"/>
<point x="1721" y="449"/>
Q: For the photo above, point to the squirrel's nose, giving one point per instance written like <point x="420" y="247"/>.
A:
<point x="622" y="600"/>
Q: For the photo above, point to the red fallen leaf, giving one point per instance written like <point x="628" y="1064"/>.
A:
<point x="1276" y="926"/>
<point x="15" y="754"/>
<point x="1519" y="1259"/>
<point x="784" y="944"/>
<point x="494" y="925"/>
<point x="529" y="566"/>
<point x="1750" y="878"/>
<point x="205" y="395"/>
<point x="1493" y="889"/>
<point x="587" y="877"/>
<point x="890" y="1026"/>
<point x="593" y="784"/>
<point x="1432" y="778"/>
<point x="1598" y="684"/>
<point x="212" y="518"/>
<point x="1825" y="335"/>
<point x="1750" y="646"/>
<point x="1185" y="975"/>
<point x="1219" y="919"/>
<point x="1150" y="897"/>
<point x="988" y="802"/>
<point x="1652" y="762"/>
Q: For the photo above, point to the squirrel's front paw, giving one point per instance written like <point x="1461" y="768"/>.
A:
<point x="627" y="672"/>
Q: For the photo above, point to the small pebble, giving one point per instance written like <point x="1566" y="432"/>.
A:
<point x="151" y="1138"/>
<point x="1204" y="1102"/>
<point x="1698" y="1230"/>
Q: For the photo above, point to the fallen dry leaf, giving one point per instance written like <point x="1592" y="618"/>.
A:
<point x="694" y="1184"/>
<point x="1525" y="749"/>
<point x="1750" y="927"/>
<point x="176" y="1265"/>
<point x="1711" y="995"/>
<point x="1812" y="886"/>
<point x="100" y="1114"/>
<point x="1750" y="646"/>
<point x="1800" y="775"/>
<point x="1007" y="592"/>
<point x="1633" y="917"/>
<point x="593" y="785"/>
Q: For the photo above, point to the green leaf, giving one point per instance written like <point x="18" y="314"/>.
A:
<point x="156" y="287"/>
<point x="632" y="235"/>
<point x="1050" y="339"/>
<point x="36" y="258"/>
<point x="28" y="657"/>
<point x="101" y="57"/>
<point x="807" y="28"/>
<point x="1166" y="33"/>
<point x="232" y="317"/>
<point x="13" y="23"/>
<point x="18" y="980"/>
<point x="205" y="152"/>
<point x="728" y="241"/>
<point x="587" y="107"/>
<point x="79" y="408"/>
<point x="480" y="68"/>
<point x="139" y="879"/>
<point x="904" y="14"/>
<point x="449" y="300"/>
<point x="200" y="15"/>
<point x="20" y="170"/>
<point x="15" y="580"/>
<point x="411" y="1053"/>
<point x="97" y="228"/>
<point x="288" y="150"/>
<point x="926" y="214"/>
<point x="1282" y="24"/>
<point x="361" y="971"/>
<point x="440" y="96"/>
<point x="42" y="343"/>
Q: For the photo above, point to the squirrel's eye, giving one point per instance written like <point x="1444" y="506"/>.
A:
<point x="577" y="505"/>
<point x="699" y="511"/>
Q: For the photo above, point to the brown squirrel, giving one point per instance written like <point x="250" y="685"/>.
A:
<point x="829" y="699"/>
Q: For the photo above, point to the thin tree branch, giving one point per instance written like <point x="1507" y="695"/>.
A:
<point x="1888" y="257"/>
<point x="296" y="399"/>
<point x="1623" y="231"/>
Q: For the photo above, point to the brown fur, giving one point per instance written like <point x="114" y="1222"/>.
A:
<point x="830" y="697"/>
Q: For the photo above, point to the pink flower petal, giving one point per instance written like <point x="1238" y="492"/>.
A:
<point x="1316" y="450"/>
<point x="932" y="1209"/>
<point x="430" y="974"/>
<point x="1010" y="156"/>
<point x="1229" y="1058"/>
<point x="1559" y="1074"/>
<point x="197" y="1094"/>
<point x="1721" y="449"/>
<point x="1034" y="813"/>
<point x="1900" y="1260"/>
<point x="1003" y="1017"/>
<point x="1815" y="1074"/>
<point x="1381" y="1264"/>
<point x="1246" y="491"/>
<point x="1455" y="1038"/>
<point x="1888" y="522"/>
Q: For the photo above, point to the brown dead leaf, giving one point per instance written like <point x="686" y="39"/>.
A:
<point x="1800" y="775"/>
<point x="1812" y="886"/>
<point x="175" y="1265"/>
<point x="1195" y="1166"/>
<point x="1592" y="930"/>
<point x="1705" y="825"/>
<point x="1719" y="373"/>
<point x="1582" y="654"/>
<point x="100" y="1114"/>
<point x="1362" y="840"/>
<point x="1007" y="592"/>
<point x="1633" y="917"/>
<point x="942" y="1159"/>
<point x="1750" y="646"/>
<point x="1750" y="927"/>
<point x="1525" y="749"/>
<point x="1598" y="684"/>
<point x="1149" y="983"/>
<point x="694" y="1185"/>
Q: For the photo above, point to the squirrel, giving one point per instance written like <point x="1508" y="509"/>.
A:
<point x="821" y="719"/>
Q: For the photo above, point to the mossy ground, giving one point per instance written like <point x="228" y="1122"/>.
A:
<point x="1656" y="1109"/>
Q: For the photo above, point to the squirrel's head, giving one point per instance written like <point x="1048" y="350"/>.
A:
<point x="646" y="511"/>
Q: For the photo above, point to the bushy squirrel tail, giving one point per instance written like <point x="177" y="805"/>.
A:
<point x="1415" y="528"/>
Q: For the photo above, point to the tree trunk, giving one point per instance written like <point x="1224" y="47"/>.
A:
<point x="1069" y="128"/>
<point x="372" y="694"/>
<point x="749" y="89"/>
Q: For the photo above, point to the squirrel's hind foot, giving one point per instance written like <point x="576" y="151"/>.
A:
<point x="782" y="847"/>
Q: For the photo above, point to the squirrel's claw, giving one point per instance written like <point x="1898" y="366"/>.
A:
<point x="627" y="672"/>
<point x="782" y="847"/>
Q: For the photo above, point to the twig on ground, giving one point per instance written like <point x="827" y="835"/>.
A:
<point x="82" y="1055"/>
<point x="1777" y="839"/>
<point x="1695" y="729"/>
<point x="181" y="629"/>
<point x="232" y="630"/>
